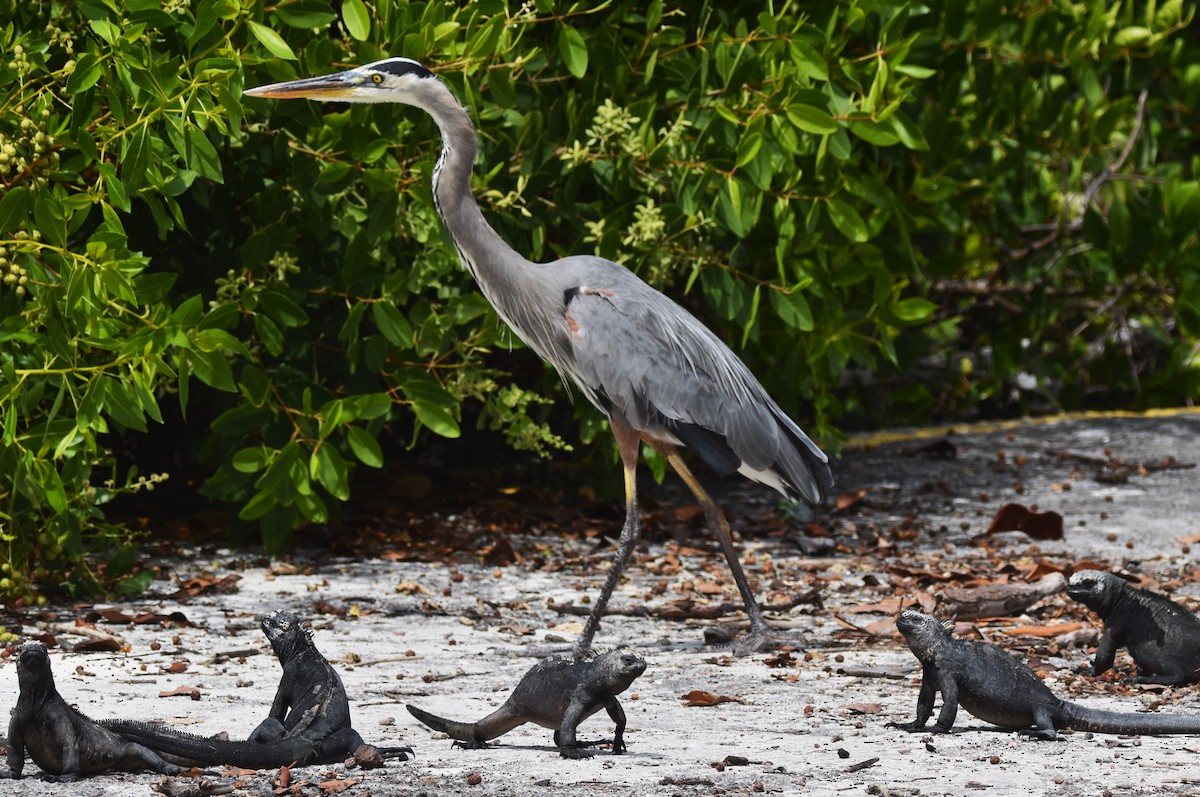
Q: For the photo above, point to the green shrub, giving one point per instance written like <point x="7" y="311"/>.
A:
<point x="891" y="210"/>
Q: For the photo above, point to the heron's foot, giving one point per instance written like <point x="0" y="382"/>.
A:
<point x="755" y="640"/>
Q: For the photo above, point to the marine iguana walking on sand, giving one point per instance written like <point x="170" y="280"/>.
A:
<point x="58" y="737"/>
<point x="997" y="688"/>
<point x="309" y="721"/>
<point x="556" y="693"/>
<point x="1163" y="637"/>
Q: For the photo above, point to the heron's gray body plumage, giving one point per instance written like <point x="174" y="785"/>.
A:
<point x="628" y="347"/>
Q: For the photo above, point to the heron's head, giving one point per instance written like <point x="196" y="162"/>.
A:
<point x="389" y="80"/>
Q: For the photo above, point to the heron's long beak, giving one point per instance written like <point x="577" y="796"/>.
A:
<point x="338" y="86"/>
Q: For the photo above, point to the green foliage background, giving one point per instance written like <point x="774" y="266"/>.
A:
<point x="895" y="211"/>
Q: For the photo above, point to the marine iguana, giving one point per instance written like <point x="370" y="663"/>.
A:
<point x="556" y="693"/>
<point x="309" y="720"/>
<point x="1163" y="637"/>
<point x="996" y="688"/>
<point x="58" y="737"/>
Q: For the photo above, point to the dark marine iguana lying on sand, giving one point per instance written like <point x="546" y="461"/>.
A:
<point x="1163" y="637"/>
<point x="997" y="688"/>
<point x="558" y="694"/>
<point x="60" y="739"/>
<point x="309" y="721"/>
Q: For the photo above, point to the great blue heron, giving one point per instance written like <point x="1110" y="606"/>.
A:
<point x="658" y="374"/>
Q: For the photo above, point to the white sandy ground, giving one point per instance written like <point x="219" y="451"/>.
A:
<point x="791" y="724"/>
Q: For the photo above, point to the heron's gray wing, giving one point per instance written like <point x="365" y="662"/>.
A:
<point x="638" y="353"/>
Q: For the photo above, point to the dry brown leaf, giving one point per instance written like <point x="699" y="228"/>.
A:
<point x="698" y="697"/>
<point x="784" y="659"/>
<point x="863" y="708"/>
<point x="1044" y="631"/>
<point x="502" y="552"/>
<point x="98" y="645"/>
<point x="885" y="606"/>
<point x="1038" y="525"/>
<point x="336" y="786"/>
<point x="849" y="499"/>
<point x="176" y="667"/>
<point x="182" y="691"/>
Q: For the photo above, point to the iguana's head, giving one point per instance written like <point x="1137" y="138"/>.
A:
<point x="1095" y="589"/>
<point x="285" y="631"/>
<point x="921" y="632"/>
<point x="621" y="668"/>
<point x="33" y="666"/>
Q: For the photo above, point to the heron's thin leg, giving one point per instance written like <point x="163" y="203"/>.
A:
<point x="628" y="444"/>
<point x="757" y="637"/>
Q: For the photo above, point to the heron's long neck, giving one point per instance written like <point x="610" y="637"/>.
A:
<point x="494" y="264"/>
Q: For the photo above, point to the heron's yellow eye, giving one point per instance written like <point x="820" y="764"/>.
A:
<point x="377" y="78"/>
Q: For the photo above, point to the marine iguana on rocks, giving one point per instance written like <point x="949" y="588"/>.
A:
<point x="58" y="737"/>
<point x="309" y="720"/>
<point x="1163" y="637"/>
<point x="556" y="693"/>
<point x="996" y="688"/>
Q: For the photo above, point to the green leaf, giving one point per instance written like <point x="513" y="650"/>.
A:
<point x="437" y="419"/>
<point x="847" y="220"/>
<point x="332" y="472"/>
<point x="810" y="62"/>
<point x="262" y="503"/>
<point x="794" y="309"/>
<point x="282" y="309"/>
<point x="211" y="368"/>
<point x="306" y="14"/>
<point x="364" y="446"/>
<point x="88" y="72"/>
<point x="250" y="460"/>
<point x="14" y="209"/>
<point x="356" y="19"/>
<point x="877" y="133"/>
<point x="202" y="156"/>
<point x="913" y="309"/>
<point x="811" y="119"/>
<point x="573" y="50"/>
<point x="372" y="405"/>
<point x="274" y="43"/>
<point x="392" y="323"/>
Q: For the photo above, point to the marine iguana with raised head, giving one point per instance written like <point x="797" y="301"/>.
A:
<point x="996" y="688"/>
<point x="1163" y="638"/>
<point x="58" y="737"/>
<point x="558" y="694"/>
<point x="309" y="720"/>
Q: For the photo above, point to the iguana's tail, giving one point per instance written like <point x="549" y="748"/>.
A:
<point x="460" y="731"/>
<point x="202" y="750"/>
<point x="1081" y="718"/>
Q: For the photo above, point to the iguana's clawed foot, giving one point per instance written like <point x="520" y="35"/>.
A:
<point x="576" y="752"/>
<point x="1040" y="734"/>
<point x="911" y="727"/>
<point x="471" y="745"/>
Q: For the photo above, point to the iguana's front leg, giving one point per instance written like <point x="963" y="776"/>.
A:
<point x="1106" y="654"/>
<point x="617" y="715"/>
<point x="948" y="686"/>
<point x="568" y="746"/>
<point x="925" y="702"/>
<point x="16" y="748"/>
